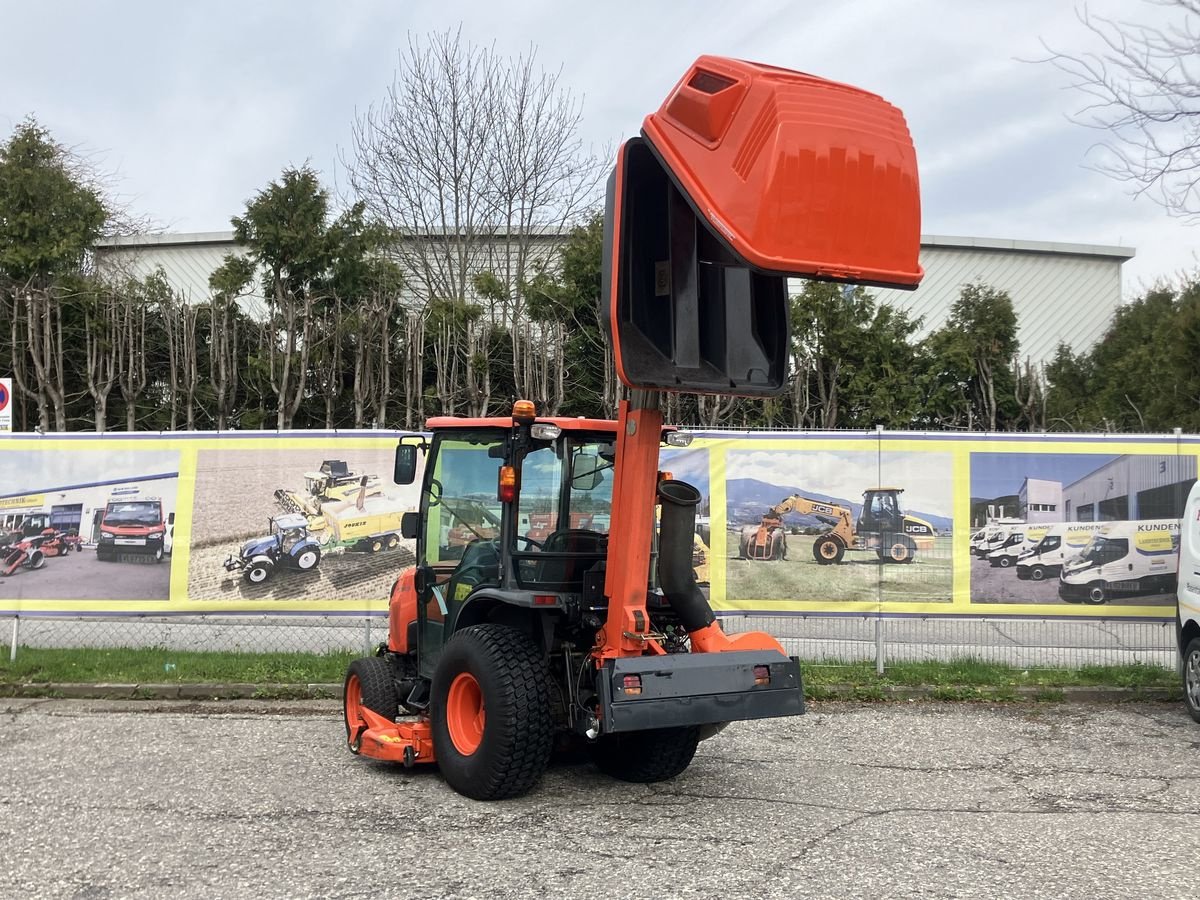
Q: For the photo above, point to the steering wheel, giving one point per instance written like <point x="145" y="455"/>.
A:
<point x="530" y="541"/>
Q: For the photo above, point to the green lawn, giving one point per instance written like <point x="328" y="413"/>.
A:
<point x="861" y="575"/>
<point x="157" y="666"/>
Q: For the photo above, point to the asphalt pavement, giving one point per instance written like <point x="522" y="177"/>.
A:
<point x="253" y="799"/>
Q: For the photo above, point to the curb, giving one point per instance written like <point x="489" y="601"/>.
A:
<point x="853" y="692"/>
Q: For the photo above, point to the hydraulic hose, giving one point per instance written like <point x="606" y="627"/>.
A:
<point x="675" y="573"/>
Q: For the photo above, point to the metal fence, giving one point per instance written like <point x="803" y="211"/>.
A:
<point x="826" y="639"/>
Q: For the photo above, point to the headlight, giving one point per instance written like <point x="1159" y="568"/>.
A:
<point x="107" y="535"/>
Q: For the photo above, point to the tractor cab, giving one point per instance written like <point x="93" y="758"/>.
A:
<point x="512" y="516"/>
<point x="881" y="511"/>
<point x="289" y="530"/>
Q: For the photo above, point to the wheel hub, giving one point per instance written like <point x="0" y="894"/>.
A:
<point x="465" y="716"/>
<point x="1191" y="679"/>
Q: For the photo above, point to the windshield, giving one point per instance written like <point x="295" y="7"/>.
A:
<point x="126" y="513"/>
<point x="1104" y="549"/>
<point x="1048" y="543"/>
<point x="460" y="497"/>
<point x="565" y="507"/>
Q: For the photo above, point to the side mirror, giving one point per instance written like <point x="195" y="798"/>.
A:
<point x="586" y="473"/>
<point x="404" y="471"/>
<point x="410" y="523"/>
<point x="171" y="519"/>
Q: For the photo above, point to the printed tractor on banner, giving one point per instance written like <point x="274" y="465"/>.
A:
<point x="334" y="483"/>
<point x="368" y="524"/>
<point x="598" y="635"/>
<point x="882" y="526"/>
<point x="31" y="544"/>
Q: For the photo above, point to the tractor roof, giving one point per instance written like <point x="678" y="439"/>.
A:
<point x="438" y="423"/>
<point x="290" y="520"/>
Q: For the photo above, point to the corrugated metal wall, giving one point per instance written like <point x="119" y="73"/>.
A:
<point x="1061" y="292"/>
<point x="1058" y="296"/>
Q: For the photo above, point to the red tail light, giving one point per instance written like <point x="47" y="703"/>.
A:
<point x="507" y="491"/>
<point x="762" y="675"/>
<point x="632" y="684"/>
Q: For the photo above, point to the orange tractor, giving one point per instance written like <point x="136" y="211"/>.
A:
<point x="499" y="650"/>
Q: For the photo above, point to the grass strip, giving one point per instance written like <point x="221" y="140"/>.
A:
<point x="954" y="678"/>
<point x="148" y="665"/>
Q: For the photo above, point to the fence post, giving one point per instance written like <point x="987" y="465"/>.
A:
<point x="16" y="631"/>
<point x="879" y="650"/>
<point x="367" y="646"/>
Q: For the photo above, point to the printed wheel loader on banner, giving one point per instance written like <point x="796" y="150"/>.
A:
<point x="496" y="651"/>
<point x="882" y="526"/>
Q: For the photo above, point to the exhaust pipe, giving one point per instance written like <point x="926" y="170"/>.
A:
<point x="675" y="541"/>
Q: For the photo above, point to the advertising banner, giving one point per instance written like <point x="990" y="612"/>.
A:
<point x="789" y="523"/>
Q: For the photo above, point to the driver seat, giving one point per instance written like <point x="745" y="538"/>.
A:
<point x="480" y="564"/>
<point x="586" y="544"/>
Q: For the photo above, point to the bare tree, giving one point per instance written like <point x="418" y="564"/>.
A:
<point x="1143" y="88"/>
<point x="475" y="164"/>
<point x="100" y="341"/>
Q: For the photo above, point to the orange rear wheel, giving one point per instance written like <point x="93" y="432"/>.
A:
<point x="465" y="715"/>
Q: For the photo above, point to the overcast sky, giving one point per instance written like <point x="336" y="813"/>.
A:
<point x="196" y="106"/>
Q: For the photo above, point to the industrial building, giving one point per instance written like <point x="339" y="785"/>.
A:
<point x="1040" y="500"/>
<point x="80" y="507"/>
<point x="1061" y="292"/>
<point x="1131" y="488"/>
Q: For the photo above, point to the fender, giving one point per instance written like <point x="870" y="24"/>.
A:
<point x="402" y="612"/>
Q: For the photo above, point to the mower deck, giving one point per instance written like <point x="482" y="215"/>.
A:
<point x="409" y="741"/>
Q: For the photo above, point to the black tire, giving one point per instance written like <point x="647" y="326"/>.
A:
<point x="1038" y="573"/>
<point x="370" y="680"/>
<point x="828" y="549"/>
<point x="899" y="550"/>
<point x="1005" y="561"/>
<point x="1191" y="678"/>
<point x="101" y="556"/>
<point x="644" y="757"/>
<point x="392" y="542"/>
<point x="1097" y="594"/>
<point x="258" y="572"/>
<point x="517" y="734"/>
<point x="158" y="553"/>
<point x="308" y="559"/>
<point x="36" y="560"/>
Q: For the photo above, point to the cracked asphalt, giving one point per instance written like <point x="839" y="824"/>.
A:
<point x="259" y="799"/>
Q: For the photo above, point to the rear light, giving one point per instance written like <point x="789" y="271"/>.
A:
<point x="632" y="684"/>
<point x="507" y="491"/>
<point x="762" y="675"/>
<point x="545" y="599"/>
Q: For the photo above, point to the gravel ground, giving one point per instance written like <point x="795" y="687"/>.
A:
<point x="885" y="800"/>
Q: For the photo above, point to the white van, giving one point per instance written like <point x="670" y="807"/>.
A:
<point x="1124" y="559"/>
<point x="1063" y="541"/>
<point x="1187" y="610"/>
<point x="995" y="535"/>
<point x="977" y="540"/>
<point x="1021" y="539"/>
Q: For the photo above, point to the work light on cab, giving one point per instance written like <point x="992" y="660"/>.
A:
<point x="524" y="411"/>
<point x="544" y="431"/>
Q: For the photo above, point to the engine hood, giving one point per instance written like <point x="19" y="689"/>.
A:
<point x="257" y="546"/>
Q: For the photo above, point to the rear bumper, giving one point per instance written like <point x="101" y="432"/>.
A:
<point x="698" y="689"/>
